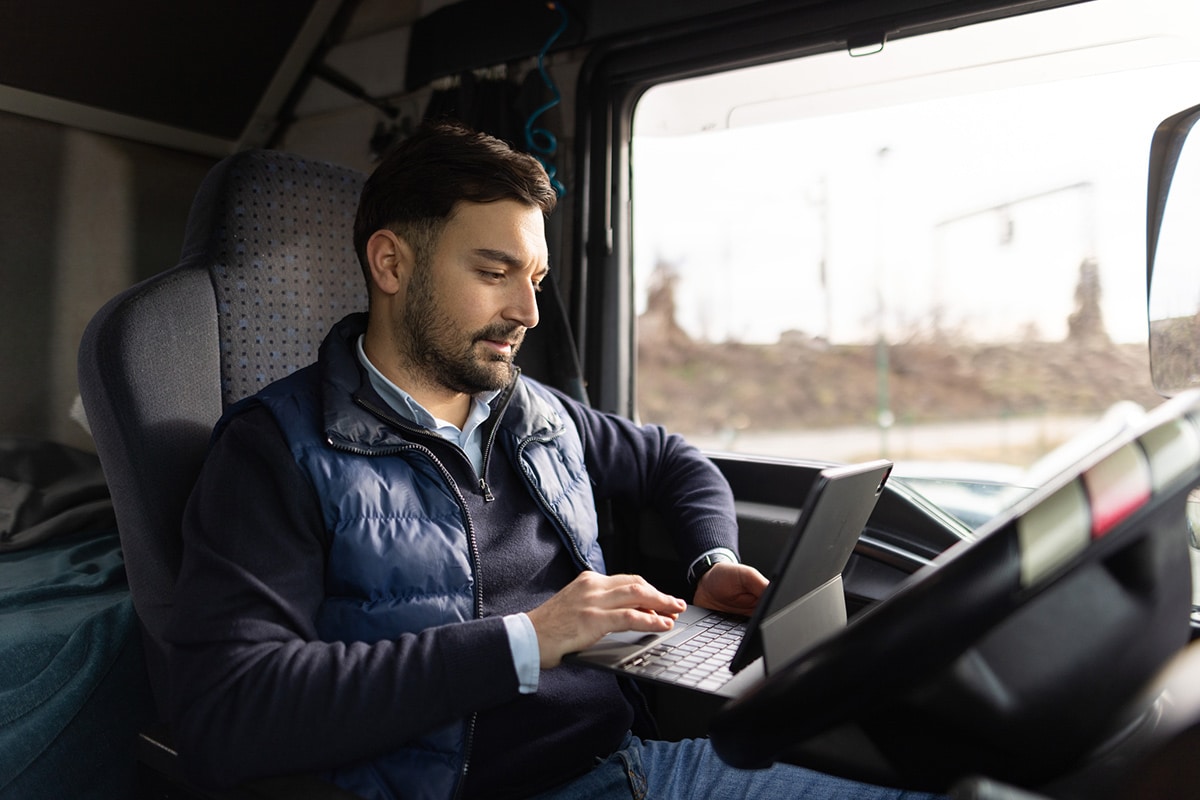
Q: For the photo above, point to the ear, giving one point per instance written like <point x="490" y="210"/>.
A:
<point x="391" y="261"/>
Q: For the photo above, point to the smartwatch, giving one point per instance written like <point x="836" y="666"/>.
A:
<point x="705" y="563"/>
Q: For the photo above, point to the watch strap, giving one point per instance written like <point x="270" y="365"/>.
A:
<point x="706" y="562"/>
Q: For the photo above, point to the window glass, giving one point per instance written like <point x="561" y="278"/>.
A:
<point x="935" y="253"/>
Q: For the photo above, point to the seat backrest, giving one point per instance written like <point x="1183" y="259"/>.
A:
<point x="268" y="266"/>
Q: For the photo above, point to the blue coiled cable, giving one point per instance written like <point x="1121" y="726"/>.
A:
<point x="539" y="141"/>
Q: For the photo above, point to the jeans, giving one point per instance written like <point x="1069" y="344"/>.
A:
<point x="654" y="770"/>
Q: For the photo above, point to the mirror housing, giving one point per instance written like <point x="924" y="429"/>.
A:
<point x="1173" y="254"/>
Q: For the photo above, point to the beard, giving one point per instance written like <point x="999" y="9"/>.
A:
<point x="443" y="353"/>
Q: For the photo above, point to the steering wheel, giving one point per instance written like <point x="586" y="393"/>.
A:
<point x="1009" y="655"/>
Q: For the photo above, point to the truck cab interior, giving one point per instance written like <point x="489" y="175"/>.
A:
<point x="177" y="189"/>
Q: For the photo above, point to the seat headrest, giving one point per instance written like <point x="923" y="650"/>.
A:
<point x="275" y="232"/>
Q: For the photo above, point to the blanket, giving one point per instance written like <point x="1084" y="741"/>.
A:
<point x="73" y="687"/>
<point x="47" y="489"/>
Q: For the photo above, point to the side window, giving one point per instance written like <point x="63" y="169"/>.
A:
<point x="932" y="253"/>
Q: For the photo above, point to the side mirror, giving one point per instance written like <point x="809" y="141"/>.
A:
<point x="1173" y="254"/>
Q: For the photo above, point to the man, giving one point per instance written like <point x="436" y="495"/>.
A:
<point x="388" y="553"/>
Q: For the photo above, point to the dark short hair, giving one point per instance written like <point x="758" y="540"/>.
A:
<point x="417" y="185"/>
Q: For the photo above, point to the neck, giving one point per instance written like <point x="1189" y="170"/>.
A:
<point x="454" y="407"/>
<point x="444" y="403"/>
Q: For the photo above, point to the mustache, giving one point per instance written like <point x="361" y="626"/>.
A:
<point x="513" y="334"/>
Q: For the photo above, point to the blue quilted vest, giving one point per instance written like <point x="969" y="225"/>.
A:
<point x="402" y="542"/>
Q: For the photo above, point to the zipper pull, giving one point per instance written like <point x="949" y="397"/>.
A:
<point x="487" y="491"/>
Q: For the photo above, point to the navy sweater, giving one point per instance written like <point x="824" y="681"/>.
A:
<point x="254" y="690"/>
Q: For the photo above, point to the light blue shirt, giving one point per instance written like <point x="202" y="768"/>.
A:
<point x="522" y="638"/>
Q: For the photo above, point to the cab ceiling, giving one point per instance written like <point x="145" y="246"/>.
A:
<point x="225" y="72"/>
<point x="200" y="66"/>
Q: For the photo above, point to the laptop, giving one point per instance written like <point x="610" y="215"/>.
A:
<point x="724" y="654"/>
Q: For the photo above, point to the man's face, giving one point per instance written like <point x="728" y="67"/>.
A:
<point x="467" y="310"/>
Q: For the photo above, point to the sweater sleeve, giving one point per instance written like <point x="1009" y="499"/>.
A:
<point x="254" y="690"/>
<point x="648" y="467"/>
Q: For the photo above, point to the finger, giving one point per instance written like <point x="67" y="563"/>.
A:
<point x="634" y="619"/>
<point x="672" y="614"/>
<point x="632" y="591"/>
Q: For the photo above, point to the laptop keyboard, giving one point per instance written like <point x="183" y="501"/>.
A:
<point x="700" y="661"/>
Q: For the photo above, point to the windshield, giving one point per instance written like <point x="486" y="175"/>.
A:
<point x="934" y="253"/>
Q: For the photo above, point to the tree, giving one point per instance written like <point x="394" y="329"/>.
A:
<point x="1086" y="323"/>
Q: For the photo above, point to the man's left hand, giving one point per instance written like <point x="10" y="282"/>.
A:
<point x="734" y="588"/>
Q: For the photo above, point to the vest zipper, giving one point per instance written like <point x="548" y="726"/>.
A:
<point x="472" y="545"/>
<point x="483" y="464"/>
<point x="497" y="414"/>
<point x="467" y="745"/>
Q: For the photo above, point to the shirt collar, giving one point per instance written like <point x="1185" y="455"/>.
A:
<point x="406" y="406"/>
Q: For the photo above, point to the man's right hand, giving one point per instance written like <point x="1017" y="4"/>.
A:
<point x="593" y="605"/>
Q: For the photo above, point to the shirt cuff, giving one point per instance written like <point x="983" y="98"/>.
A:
<point x="522" y="641"/>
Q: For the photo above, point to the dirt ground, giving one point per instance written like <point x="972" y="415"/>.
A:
<point x="698" y="387"/>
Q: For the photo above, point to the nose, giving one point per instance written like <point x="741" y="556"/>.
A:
<point x="522" y="306"/>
